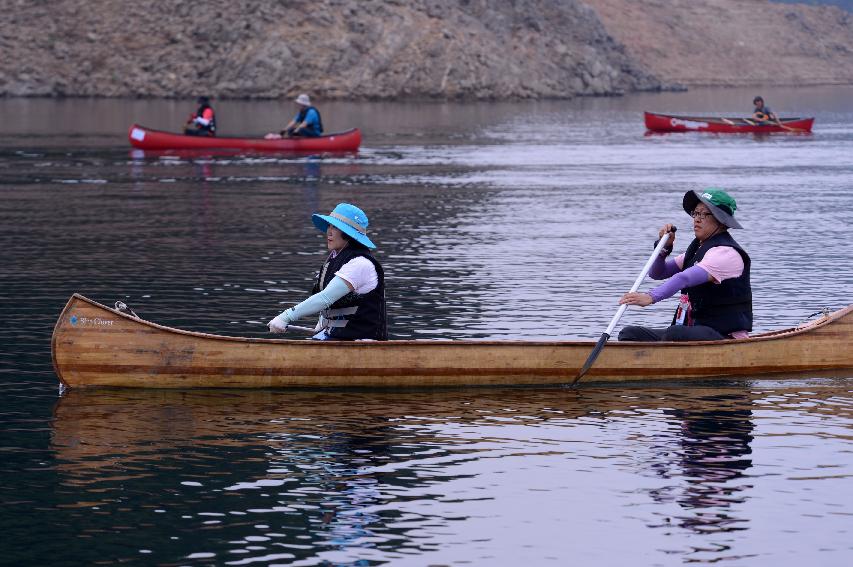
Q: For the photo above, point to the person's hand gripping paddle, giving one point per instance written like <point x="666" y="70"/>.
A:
<point x="664" y="240"/>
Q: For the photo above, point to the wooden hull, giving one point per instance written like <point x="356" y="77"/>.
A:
<point x="668" y="123"/>
<point x="94" y="345"/>
<point x="147" y="139"/>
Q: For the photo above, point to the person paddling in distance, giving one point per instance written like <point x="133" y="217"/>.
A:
<point x="306" y="123"/>
<point x="203" y="122"/>
<point x="713" y="276"/>
<point x="349" y="292"/>
<point x="762" y="113"/>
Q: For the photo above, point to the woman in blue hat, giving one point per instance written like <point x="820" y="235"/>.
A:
<point x="713" y="276"/>
<point x="349" y="292"/>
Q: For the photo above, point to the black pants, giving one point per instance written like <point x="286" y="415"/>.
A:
<point x="301" y="133"/>
<point x="197" y="132"/>
<point x="673" y="333"/>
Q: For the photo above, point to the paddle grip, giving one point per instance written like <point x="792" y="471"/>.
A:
<point x="674" y="228"/>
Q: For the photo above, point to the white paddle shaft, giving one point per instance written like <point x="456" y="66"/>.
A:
<point x="661" y="245"/>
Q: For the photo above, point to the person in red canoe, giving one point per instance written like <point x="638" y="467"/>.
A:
<point x="762" y="113"/>
<point x="203" y="121"/>
<point x="713" y="276"/>
<point x="306" y="123"/>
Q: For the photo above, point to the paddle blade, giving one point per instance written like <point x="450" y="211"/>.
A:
<point x="592" y="356"/>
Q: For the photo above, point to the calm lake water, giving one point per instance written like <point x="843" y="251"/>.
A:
<point x="518" y="220"/>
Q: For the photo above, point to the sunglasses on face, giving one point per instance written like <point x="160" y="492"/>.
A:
<point x="699" y="215"/>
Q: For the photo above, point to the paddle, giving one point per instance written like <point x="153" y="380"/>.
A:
<point x="788" y="128"/>
<point x="606" y="334"/>
<point x="310" y="330"/>
<point x="778" y="123"/>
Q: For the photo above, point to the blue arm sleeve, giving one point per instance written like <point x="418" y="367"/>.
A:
<point x="336" y="289"/>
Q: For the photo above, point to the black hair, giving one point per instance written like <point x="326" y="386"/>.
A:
<point x="352" y="242"/>
<point x="756" y="99"/>
<point x="203" y="100"/>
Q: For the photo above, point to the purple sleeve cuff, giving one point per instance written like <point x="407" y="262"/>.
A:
<point x="692" y="276"/>
<point x="663" y="268"/>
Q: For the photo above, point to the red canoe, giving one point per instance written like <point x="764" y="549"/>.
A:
<point x="148" y="139"/>
<point x="669" y="123"/>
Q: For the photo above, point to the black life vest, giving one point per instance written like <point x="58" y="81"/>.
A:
<point x="300" y="118"/>
<point x="200" y="114"/>
<point x="726" y="306"/>
<point x="354" y="316"/>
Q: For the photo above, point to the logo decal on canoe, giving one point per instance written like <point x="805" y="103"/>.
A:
<point x="137" y="134"/>
<point x="688" y="123"/>
<point x="89" y="321"/>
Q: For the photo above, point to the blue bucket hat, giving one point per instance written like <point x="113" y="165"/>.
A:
<point x="349" y="219"/>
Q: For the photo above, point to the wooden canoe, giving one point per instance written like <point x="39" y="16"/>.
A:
<point x="94" y="345"/>
<point x="149" y="139"/>
<point x="668" y="123"/>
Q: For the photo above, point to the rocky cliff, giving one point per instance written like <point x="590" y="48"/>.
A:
<point x="734" y="42"/>
<point x="373" y="49"/>
<point x="390" y="49"/>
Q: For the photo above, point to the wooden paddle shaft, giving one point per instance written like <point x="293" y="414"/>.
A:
<point x="664" y="240"/>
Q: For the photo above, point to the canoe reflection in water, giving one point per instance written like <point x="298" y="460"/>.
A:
<point x="713" y="456"/>
<point x="296" y="461"/>
<point x="415" y="470"/>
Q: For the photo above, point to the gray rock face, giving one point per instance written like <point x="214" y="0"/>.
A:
<point x="353" y="49"/>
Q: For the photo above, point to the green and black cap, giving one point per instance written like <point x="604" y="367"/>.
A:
<point x="721" y="204"/>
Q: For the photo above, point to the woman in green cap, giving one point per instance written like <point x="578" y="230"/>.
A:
<point x="713" y="276"/>
<point x="349" y="292"/>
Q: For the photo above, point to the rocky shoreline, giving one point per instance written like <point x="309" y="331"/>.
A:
<point x="385" y="49"/>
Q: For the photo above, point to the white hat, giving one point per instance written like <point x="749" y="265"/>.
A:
<point x="303" y="100"/>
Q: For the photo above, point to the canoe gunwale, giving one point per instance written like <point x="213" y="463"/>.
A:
<point x="767" y="336"/>
<point x="152" y="140"/>
<point x="657" y="122"/>
<point x="97" y="346"/>
<point x="738" y="120"/>
<point x="243" y="138"/>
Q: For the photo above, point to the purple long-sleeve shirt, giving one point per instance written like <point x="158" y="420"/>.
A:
<point x="664" y="268"/>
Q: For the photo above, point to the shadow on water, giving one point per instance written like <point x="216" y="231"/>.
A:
<point x="713" y="456"/>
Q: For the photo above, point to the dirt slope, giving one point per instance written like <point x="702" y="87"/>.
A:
<point x="734" y="42"/>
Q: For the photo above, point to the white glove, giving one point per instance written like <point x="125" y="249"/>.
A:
<point x="202" y="121"/>
<point x="280" y="322"/>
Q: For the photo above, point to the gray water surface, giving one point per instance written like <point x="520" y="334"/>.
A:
<point x="494" y="220"/>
